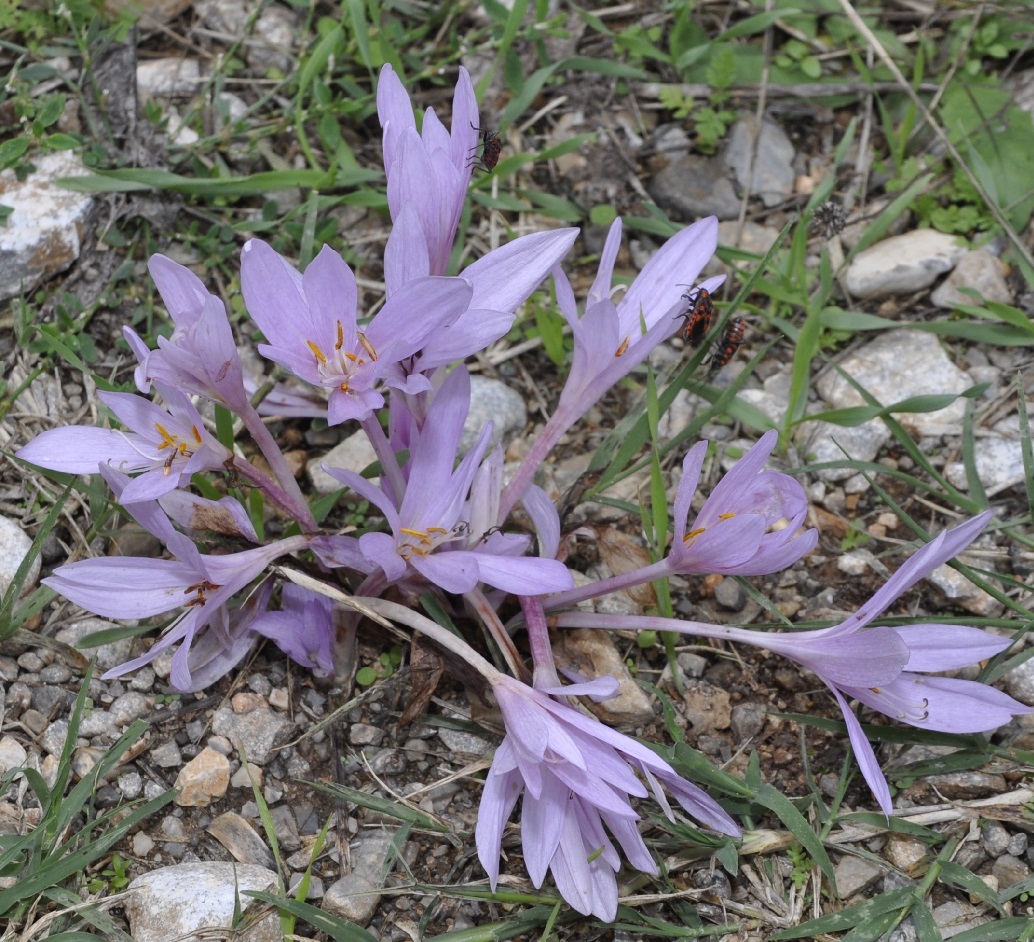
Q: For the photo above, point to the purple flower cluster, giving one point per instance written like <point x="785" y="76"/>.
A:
<point x="400" y="376"/>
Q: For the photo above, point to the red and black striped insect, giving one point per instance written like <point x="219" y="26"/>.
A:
<point x="491" y="148"/>
<point x="698" y="317"/>
<point x="729" y="343"/>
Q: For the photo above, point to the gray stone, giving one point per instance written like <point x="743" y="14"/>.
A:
<point x="175" y="902"/>
<point x="764" y="168"/>
<point x="998" y="454"/>
<point x="131" y="784"/>
<point x="254" y="734"/>
<point x="363" y="734"/>
<point x="107" y="655"/>
<point x="491" y="399"/>
<point x="903" y="264"/>
<point x="42" y="235"/>
<point x="826" y="442"/>
<point x="747" y="720"/>
<point x="1019" y="682"/>
<point x="168" y="77"/>
<point x="979" y="271"/>
<point x="271" y="45"/>
<point x="355" y="896"/>
<point x="995" y="838"/>
<point x="965" y="786"/>
<point x="355" y="453"/>
<point x="855" y="875"/>
<point x="963" y="593"/>
<point x="899" y="365"/>
<point x="750" y="237"/>
<point x="55" y="674"/>
<point x="241" y="840"/>
<point x="458" y="741"/>
<point x="142" y="844"/>
<point x="316" y="890"/>
<point x="1009" y="871"/>
<point x="694" y="186"/>
<point x="12" y="755"/>
<point x="15" y="543"/>
<point x="730" y="595"/>
<point x="167" y="755"/>
<point x="98" y="723"/>
<point x="954" y="918"/>
<point x="129" y="707"/>
<point x="285" y="827"/>
<point x="54" y="736"/>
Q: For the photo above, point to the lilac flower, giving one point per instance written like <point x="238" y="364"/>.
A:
<point x="751" y="523"/>
<point x="303" y="629"/>
<point x="501" y="282"/>
<point x="168" y="445"/>
<point x="431" y="525"/>
<point x="310" y="323"/>
<point x="201" y="357"/>
<point x="428" y="172"/>
<point x="576" y="775"/>
<point x="878" y="665"/>
<point x="612" y="339"/>
<point x="128" y="587"/>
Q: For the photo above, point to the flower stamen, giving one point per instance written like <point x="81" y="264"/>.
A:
<point x="913" y="712"/>
<point x="321" y="358"/>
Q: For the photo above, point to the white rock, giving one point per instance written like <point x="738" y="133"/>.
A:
<point x="826" y="442"/>
<point x="855" y="563"/>
<point x="174" y="76"/>
<point x="270" y="47"/>
<point x="999" y="460"/>
<point x="12" y="755"/>
<point x="772" y="398"/>
<point x="353" y="454"/>
<point x="763" y="168"/>
<point x="903" y="264"/>
<point x="108" y="655"/>
<point x="981" y="272"/>
<point x="895" y="366"/>
<point x="966" y="595"/>
<point x="491" y="399"/>
<point x="175" y="902"/>
<point x="43" y="232"/>
<point x="15" y="544"/>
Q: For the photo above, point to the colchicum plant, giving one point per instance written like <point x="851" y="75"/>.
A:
<point x="448" y="530"/>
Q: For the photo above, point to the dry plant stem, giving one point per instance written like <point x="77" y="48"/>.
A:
<point x="490" y="619"/>
<point x="381" y="610"/>
<point x="859" y="24"/>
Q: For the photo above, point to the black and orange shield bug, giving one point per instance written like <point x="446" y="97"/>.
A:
<point x="697" y="317"/>
<point x="729" y="343"/>
<point x="491" y="148"/>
